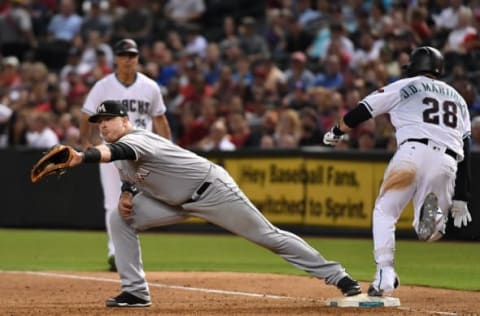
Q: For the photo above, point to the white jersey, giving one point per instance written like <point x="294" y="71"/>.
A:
<point x="162" y="169"/>
<point x="421" y="107"/>
<point x="142" y="98"/>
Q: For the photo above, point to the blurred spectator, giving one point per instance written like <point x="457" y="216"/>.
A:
<point x="369" y="50"/>
<point x="229" y="36"/>
<point x="332" y="77"/>
<point x="184" y="12"/>
<point x="288" y="130"/>
<point x="62" y="29"/>
<point x="9" y="75"/>
<point x="16" y="30"/>
<point x="298" y="98"/>
<point x="297" y="38"/>
<point x="5" y="115"/>
<point x="239" y="129"/>
<point x="40" y="134"/>
<point x="198" y="126"/>
<point x="218" y="138"/>
<point x="251" y="43"/>
<point x="454" y="49"/>
<point x="97" y="19"/>
<point x="298" y="71"/>
<point x="312" y="135"/>
<point x="266" y="129"/>
<point x="136" y="23"/>
<point x="195" y="43"/>
<point x="92" y="48"/>
<point x="68" y="130"/>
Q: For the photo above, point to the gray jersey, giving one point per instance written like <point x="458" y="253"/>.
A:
<point x="162" y="169"/>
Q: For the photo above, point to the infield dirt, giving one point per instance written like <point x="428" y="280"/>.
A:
<point x="186" y="293"/>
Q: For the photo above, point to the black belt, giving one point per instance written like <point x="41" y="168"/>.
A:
<point x="199" y="192"/>
<point x="425" y="141"/>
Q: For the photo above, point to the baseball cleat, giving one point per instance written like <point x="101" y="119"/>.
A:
<point x="386" y="280"/>
<point x="372" y="291"/>
<point x="349" y="286"/>
<point x="126" y="299"/>
<point x="427" y="223"/>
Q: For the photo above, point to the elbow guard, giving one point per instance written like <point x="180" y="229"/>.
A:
<point x="121" y="151"/>
<point x="356" y="116"/>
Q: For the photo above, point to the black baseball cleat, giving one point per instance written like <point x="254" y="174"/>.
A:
<point x="349" y="286"/>
<point x="126" y="299"/>
<point x="111" y="264"/>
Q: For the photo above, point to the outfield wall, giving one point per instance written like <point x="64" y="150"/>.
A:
<point x="310" y="190"/>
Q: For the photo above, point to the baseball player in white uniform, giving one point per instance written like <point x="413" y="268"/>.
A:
<point x="146" y="109"/>
<point x="431" y="165"/>
<point x="164" y="184"/>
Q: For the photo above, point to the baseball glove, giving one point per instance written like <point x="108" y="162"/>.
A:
<point x="54" y="162"/>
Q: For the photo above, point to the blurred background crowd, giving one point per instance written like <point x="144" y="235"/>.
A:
<point x="234" y="74"/>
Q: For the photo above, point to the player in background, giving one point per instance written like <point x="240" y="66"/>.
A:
<point x="431" y="164"/>
<point x="164" y="184"/>
<point x="146" y="109"/>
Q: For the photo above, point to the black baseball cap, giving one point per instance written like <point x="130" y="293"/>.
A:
<point x="108" y="108"/>
<point x="126" y="45"/>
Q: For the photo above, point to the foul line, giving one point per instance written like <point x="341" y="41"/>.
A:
<point x="159" y="285"/>
<point x="205" y="290"/>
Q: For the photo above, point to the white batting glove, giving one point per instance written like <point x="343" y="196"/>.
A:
<point x="331" y="139"/>
<point x="461" y="215"/>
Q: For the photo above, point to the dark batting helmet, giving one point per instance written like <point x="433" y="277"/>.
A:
<point x="425" y="60"/>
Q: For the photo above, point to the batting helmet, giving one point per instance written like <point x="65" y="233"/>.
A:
<point x="425" y="60"/>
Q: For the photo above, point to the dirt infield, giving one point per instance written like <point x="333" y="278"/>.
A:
<point x="189" y="293"/>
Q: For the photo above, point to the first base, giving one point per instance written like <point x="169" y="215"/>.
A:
<point x="363" y="300"/>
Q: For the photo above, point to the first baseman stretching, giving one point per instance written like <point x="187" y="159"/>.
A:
<point x="164" y="184"/>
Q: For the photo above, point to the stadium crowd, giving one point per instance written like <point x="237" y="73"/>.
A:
<point x="234" y="74"/>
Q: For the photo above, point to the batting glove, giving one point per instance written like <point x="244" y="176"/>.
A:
<point x="333" y="136"/>
<point x="461" y="215"/>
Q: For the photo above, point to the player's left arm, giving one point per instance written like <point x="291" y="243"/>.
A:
<point x="104" y="153"/>
<point x="459" y="209"/>
<point x="161" y="126"/>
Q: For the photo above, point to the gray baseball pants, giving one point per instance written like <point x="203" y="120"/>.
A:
<point x="222" y="204"/>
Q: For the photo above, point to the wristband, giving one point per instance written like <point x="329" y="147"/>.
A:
<point x="91" y="155"/>
<point x="337" y="131"/>
<point x="129" y="187"/>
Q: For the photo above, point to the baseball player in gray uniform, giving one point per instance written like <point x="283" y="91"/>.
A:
<point x="164" y="184"/>
<point x="431" y="165"/>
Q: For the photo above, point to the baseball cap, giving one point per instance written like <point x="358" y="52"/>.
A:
<point x="10" y="61"/>
<point x="126" y="45"/>
<point x="109" y="108"/>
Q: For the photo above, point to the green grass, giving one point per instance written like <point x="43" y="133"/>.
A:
<point x="453" y="265"/>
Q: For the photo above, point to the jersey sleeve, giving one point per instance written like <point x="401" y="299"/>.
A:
<point x="142" y="146"/>
<point x="383" y="100"/>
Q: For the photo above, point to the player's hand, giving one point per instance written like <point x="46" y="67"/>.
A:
<point x="332" y="139"/>
<point x="461" y="215"/>
<point x="125" y="205"/>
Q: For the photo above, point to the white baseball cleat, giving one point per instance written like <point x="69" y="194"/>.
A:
<point x="386" y="280"/>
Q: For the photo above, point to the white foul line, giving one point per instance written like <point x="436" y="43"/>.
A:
<point x="159" y="285"/>
<point x="204" y="290"/>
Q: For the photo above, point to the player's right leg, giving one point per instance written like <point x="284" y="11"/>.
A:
<point x="147" y="213"/>
<point x="225" y="205"/>
<point x="111" y="184"/>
